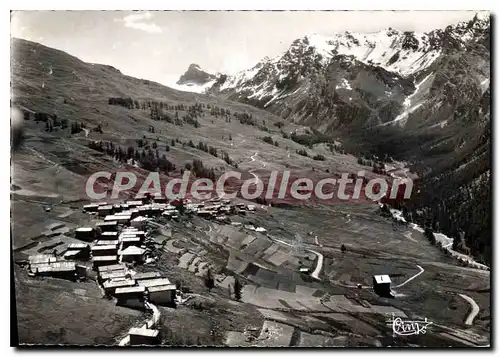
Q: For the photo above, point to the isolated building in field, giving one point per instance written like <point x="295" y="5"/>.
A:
<point x="85" y="234"/>
<point x="382" y="285"/>
<point x="143" y="336"/>
<point x="162" y="294"/>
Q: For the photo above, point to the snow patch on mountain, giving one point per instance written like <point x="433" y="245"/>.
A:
<point x="485" y="84"/>
<point x="193" y="87"/>
<point x="343" y="84"/>
<point x="413" y="101"/>
<point x="240" y="78"/>
<point x="395" y="51"/>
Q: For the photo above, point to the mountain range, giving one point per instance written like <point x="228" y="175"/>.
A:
<point x="419" y="97"/>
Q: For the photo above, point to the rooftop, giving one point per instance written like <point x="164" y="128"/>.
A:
<point x="55" y="267"/>
<point x="42" y="258"/>
<point x="105" y="208"/>
<point x="106" y="242"/>
<point x="118" y="283"/>
<point x="134" y="202"/>
<point x="169" y="287"/>
<point x="113" y="274"/>
<point x="131" y="289"/>
<point x="130" y="239"/>
<point x="154" y="282"/>
<point x="105" y="258"/>
<point x="71" y="253"/>
<point x="85" y="229"/>
<point x="110" y="268"/>
<point x="91" y="205"/>
<point x="149" y="275"/>
<point x="143" y="332"/>
<point x="381" y="279"/>
<point x="104" y="247"/>
<point x="109" y="223"/>
<point x="117" y="218"/>
<point x="78" y="246"/>
<point x="132" y="250"/>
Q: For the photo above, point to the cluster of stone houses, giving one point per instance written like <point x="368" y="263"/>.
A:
<point x="218" y="209"/>
<point x="119" y="241"/>
<point x="134" y="289"/>
<point x="120" y="237"/>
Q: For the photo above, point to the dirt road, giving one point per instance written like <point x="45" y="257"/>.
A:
<point x="475" y="309"/>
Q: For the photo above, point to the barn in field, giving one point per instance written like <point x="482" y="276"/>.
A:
<point x="382" y="285"/>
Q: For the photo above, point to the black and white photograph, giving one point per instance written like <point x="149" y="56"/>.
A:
<point x="249" y="179"/>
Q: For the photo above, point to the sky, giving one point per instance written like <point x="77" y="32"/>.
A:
<point x="160" y="45"/>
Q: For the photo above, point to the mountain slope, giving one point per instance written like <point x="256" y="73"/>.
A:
<point x="282" y="84"/>
<point x="57" y="91"/>
<point x="422" y="98"/>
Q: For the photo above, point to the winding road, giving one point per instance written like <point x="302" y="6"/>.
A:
<point x="252" y="158"/>
<point x="413" y="277"/>
<point x="475" y="309"/>
<point x="319" y="264"/>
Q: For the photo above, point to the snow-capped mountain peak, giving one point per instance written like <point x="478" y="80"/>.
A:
<point x="195" y="80"/>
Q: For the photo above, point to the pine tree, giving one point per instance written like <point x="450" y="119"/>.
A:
<point x="209" y="280"/>
<point x="237" y="289"/>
